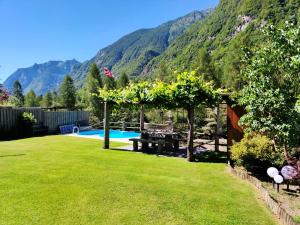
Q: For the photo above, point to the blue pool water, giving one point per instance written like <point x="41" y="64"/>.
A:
<point x="112" y="133"/>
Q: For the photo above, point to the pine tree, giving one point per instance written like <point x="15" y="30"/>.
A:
<point x="163" y="73"/>
<point x="55" y="99"/>
<point x="47" y="100"/>
<point x="67" y="93"/>
<point x="18" y="94"/>
<point x="109" y="83"/>
<point x="31" y="99"/>
<point x="39" y="100"/>
<point x="93" y="83"/>
<point x="123" y="81"/>
<point x="205" y="66"/>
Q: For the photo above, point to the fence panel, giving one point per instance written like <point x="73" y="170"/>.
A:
<point x="52" y="119"/>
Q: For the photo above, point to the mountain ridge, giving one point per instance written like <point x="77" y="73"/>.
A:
<point x="33" y="77"/>
<point x="128" y="54"/>
<point x="141" y="46"/>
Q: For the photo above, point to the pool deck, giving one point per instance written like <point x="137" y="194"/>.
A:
<point x="96" y="136"/>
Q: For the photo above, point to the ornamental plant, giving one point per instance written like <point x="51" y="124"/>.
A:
<point x="25" y="123"/>
<point x="255" y="151"/>
<point x="4" y="96"/>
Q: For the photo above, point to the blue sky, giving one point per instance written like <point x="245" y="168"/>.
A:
<point x="36" y="31"/>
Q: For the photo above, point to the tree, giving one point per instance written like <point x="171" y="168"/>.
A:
<point x="18" y="94"/>
<point x="189" y="91"/>
<point x="4" y="96"/>
<point x="31" y="99"/>
<point x="67" y="93"/>
<point x="82" y="98"/>
<point x="93" y="83"/>
<point x="39" y="100"/>
<point x="205" y="66"/>
<point x="109" y="83"/>
<point x="123" y="81"/>
<point x="47" y="100"/>
<point x="163" y="73"/>
<point x="272" y="84"/>
<point x="55" y="99"/>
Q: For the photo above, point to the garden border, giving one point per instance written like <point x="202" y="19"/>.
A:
<point x="272" y="204"/>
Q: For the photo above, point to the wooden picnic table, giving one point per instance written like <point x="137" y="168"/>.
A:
<point x="164" y="142"/>
<point x="145" y="144"/>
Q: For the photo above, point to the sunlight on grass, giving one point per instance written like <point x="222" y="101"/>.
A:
<point x="65" y="180"/>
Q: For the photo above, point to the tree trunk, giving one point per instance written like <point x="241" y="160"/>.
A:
<point x="292" y="161"/>
<point x="190" y="148"/>
<point x="142" y="119"/>
<point x="106" y="125"/>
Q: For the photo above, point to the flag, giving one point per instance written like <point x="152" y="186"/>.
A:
<point x="107" y="72"/>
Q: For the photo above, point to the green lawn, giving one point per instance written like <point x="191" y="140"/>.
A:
<point x="64" y="180"/>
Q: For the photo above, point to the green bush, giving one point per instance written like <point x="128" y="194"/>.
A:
<point x="26" y="121"/>
<point x="256" y="151"/>
<point x="28" y="118"/>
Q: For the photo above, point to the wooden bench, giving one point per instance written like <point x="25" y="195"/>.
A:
<point x="145" y="144"/>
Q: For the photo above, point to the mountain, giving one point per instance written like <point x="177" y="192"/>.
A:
<point x="232" y="25"/>
<point x="42" y="77"/>
<point x="130" y="54"/>
<point x="134" y="51"/>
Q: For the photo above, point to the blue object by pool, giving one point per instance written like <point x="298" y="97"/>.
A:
<point x="112" y="133"/>
<point x="66" y="129"/>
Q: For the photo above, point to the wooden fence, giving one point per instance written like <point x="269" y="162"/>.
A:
<point x="52" y="119"/>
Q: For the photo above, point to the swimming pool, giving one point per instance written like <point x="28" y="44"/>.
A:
<point x="112" y="133"/>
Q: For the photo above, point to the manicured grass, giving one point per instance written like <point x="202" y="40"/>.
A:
<point x="64" y="180"/>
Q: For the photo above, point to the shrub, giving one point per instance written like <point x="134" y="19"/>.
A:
<point x="256" y="151"/>
<point x="28" y="118"/>
<point x="26" y="121"/>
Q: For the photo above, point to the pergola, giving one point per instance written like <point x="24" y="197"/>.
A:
<point x="188" y="91"/>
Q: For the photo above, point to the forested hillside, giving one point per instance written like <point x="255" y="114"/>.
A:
<point x="132" y="52"/>
<point x="233" y="24"/>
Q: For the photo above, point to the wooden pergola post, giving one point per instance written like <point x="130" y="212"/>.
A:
<point x="190" y="140"/>
<point x="218" y="127"/>
<point x="142" y="119"/>
<point x="106" y="125"/>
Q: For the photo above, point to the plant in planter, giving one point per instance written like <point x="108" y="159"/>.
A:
<point x="26" y="122"/>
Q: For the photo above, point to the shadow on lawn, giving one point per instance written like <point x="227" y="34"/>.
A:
<point x="4" y="156"/>
<point x="178" y="154"/>
<point x="200" y="156"/>
<point x="212" y="157"/>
